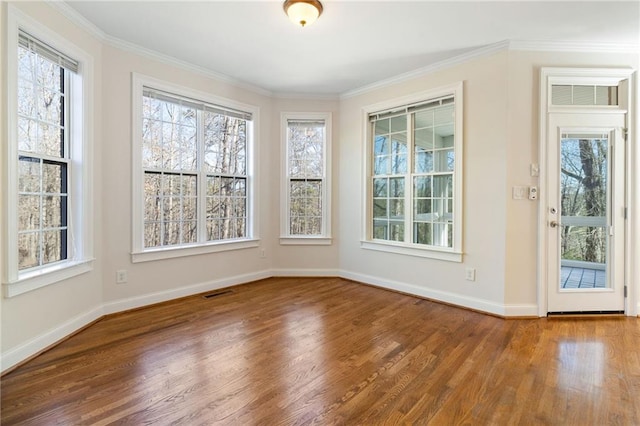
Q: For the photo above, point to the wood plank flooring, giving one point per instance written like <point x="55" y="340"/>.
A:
<point x="318" y="351"/>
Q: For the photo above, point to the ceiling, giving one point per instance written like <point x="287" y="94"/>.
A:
<point x="354" y="43"/>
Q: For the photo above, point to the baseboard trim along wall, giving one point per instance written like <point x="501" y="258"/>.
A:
<point x="163" y="296"/>
<point x="520" y="310"/>
<point x="24" y="352"/>
<point x="52" y="337"/>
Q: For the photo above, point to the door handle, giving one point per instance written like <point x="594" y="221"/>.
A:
<point x="553" y="224"/>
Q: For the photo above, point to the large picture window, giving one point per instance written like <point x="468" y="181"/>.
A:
<point x="306" y="188"/>
<point x="195" y="175"/>
<point x="48" y="178"/>
<point x="415" y="155"/>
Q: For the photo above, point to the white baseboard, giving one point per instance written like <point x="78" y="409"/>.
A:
<point x="305" y="273"/>
<point x="163" y="296"/>
<point x="28" y="349"/>
<point x="443" y="296"/>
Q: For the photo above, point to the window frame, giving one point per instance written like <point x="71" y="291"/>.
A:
<point x="453" y="254"/>
<point x="286" y="238"/>
<point x="80" y="159"/>
<point x="138" y="251"/>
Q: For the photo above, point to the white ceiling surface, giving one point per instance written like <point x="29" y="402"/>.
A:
<point x="354" y="43"/>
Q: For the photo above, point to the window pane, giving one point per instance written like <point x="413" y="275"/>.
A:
<point x="399" y="124"/>
<point x="54" y="243"/>
<point x="380" y="188"/>
<point x="28" y="212"/>
<point x="50" y="104"/>
<point x="28" y="250"/>
<point x="423" y="139"/>
<point x="396" y="187"/>
<point x="424" y="119"/>
<point x="54" y="209"/>
<point x="382" y="126"/>
<point x="54" y="177"/>
<point x="27" y="135"/>
<point x="422" y="233"/>
<point x="396" y="231"/>
<point x="28" y="174"/>
<point x="423" y="161"/>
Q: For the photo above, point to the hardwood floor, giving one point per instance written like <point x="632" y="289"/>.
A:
<point x="329" y="351"/>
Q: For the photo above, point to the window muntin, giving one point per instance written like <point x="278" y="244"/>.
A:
<point x="194" y="162"/>
<point x="414" y="158"/>
<point x="43" y="154"/>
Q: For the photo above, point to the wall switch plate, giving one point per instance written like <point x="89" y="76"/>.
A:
<point x="121" y="276"/>
<point x="519" y="192"/>
<point x="470" y="274"/>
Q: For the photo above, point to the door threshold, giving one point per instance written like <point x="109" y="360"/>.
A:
<point x="586" y="314"/>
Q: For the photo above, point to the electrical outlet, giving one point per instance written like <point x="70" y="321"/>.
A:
<point x="470" y="274"/>
<point x="121" y="276"/>
<point x="263" y="253"/>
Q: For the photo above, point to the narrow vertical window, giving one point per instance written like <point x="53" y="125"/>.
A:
<point x="415" y="156"/>
<point x="43" y="153"/>
<point x="306" y="186"/>
<point x="48" y="161"/>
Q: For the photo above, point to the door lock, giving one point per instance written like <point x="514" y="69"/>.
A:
<point x="553" y="210"/>
<point x="553" y="224"/>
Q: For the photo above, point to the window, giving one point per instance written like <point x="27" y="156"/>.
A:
<point x="414" y="175"/>
<point x="194" y="167"/>
<point x="48" y="169"/>
<point x="306" y="186"/>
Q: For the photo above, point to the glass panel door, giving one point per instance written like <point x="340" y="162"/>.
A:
<point x="584" y="203"/>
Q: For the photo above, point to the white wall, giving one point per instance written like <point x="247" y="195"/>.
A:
<point x="499" y="237"/>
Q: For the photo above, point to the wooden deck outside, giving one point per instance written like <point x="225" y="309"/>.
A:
<point x="582" y="278"/>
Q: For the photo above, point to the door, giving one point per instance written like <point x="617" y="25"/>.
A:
<point x="585" y="212"/>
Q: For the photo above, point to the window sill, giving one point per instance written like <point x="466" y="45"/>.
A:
<point x="49" y="275"/>
<point x="305" y="241"/>
<point x="182" y="251"/>
<point x="430" y="253"/>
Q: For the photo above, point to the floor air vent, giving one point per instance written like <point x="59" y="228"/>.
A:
<point x="217" y="293"/>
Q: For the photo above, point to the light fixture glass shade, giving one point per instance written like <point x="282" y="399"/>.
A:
<point x="303" y="12"/>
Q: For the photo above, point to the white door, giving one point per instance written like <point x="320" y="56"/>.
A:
<point x="585" y="212"/>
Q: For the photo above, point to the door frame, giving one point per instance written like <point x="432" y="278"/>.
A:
<point x="593" y="76"/>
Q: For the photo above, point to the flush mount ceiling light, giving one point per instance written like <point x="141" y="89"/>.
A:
<point x="302" y="12"/>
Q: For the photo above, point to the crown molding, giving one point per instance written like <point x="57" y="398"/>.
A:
<point x="187" y="66"/>
<point x="515" y="45"/>
<point x="79" y="20"/>
<point x="76" y="18"/>
<point x="572" y="46"/>
<point x="429" y="69"/>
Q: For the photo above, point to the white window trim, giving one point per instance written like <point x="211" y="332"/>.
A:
<point x="448" y="254"/>
<point x="138" y="252"/>
<point x="285" y="237"/>
<point x="80" y="250"/>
